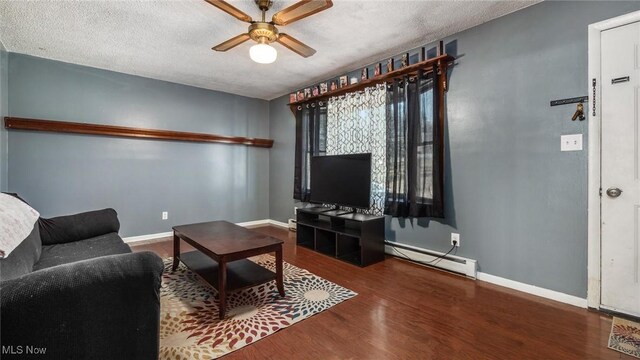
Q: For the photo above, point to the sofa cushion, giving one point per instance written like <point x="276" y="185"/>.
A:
<point x="58" y="254"/>
<point x="70" y="228"/>
<point x="22" y="259"/>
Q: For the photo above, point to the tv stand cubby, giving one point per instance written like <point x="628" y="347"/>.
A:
<point x="355" y="238"/>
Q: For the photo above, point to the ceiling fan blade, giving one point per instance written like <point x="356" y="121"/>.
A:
<point x="300" y="10"/>
<point x="231" y="43"/>
<point x="295" y="45"/>
<point x="230" y="9"/>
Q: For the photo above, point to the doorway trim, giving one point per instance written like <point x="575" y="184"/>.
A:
<point x="594" y="155"/>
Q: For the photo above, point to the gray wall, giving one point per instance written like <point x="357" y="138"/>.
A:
<point x="63" y="173"/>
<point x="4" y="110"/>
<point x="282" y="128"/>
<point x="519" y="203"/>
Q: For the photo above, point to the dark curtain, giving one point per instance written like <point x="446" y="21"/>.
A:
<point x="311" y="140"/>
<point x="414" y="169"/>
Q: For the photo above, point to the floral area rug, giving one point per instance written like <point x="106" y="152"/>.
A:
<point x="625" y="337"/>
<point x="189" y="324"/>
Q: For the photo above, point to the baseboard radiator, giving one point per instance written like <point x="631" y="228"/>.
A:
<point x="456" y="264"/>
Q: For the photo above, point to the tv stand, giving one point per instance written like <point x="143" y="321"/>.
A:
<point x="348" y="236"/>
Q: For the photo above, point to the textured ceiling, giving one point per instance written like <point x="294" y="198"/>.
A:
<point x="172" y="40"/>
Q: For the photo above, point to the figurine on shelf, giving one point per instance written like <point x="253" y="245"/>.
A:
<point x="323" y="88"/>
<point x="390" y="65"/>
<point x="377" y="69"/>
<point x="300" y="95"/>
<point x="344" y="81"/>
<point x="315" y="91"/>
<point x="307" y="93"/>
<point x="365" y="74"/>
<point x="293" y="98"/>
<point x="405" y="60"/>
<point x="334" y="85"/>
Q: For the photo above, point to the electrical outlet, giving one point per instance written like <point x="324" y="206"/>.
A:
<point x="165" y="215"/>
<point x="455" y="239"/>
<point x="571" y="142"/>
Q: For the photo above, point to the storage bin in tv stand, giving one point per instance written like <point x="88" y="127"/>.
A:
<point x="355" y="238"/>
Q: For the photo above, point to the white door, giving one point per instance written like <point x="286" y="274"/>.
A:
<point x="620" y="169"/>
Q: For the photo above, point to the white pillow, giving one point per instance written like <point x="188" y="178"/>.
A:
<point x="16" y="223"/>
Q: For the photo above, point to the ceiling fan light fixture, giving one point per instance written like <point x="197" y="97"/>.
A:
<point x="265" y="32"/>
<point x="263" y="53"/>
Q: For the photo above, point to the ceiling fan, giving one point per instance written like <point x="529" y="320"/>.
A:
<point x="265" y="32"/>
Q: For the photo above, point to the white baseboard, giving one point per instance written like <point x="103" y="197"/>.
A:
<point x="278" y="223"/>
<point x="250" y="224"/>
<point x="247" y="224"/>
<point x="254" y="223"/>
<point x="453" y="263"/>
<point x="468" y="267"/>
<point x="534" y="290"/>
<point x="148" y="237"/>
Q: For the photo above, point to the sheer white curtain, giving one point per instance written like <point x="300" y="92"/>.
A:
<point x="356" y="123"/>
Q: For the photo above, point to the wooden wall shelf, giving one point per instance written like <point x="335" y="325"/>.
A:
<point x="441" y="61"/>
<point x="128" y="132"/>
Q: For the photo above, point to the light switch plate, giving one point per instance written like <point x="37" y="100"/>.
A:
<point x="571" y="142"/>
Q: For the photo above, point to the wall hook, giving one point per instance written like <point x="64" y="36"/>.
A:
<point x="579" y="114"/>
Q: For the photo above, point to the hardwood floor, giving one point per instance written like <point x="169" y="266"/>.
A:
<point x="407" y="311"/>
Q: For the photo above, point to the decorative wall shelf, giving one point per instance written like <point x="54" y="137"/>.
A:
<point x="441" y="62"/>
<point x="128" y="132"/>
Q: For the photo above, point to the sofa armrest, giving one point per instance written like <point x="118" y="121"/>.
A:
<point x="107" y="307"/>
<point x="64" y="229"/>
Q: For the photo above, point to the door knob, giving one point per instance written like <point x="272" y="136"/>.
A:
<point x="614" y="192"/>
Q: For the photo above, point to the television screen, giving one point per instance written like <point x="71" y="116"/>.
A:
<point x="341" y="179"/>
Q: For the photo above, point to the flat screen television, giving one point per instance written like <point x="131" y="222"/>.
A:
<point x="341" y="180"/>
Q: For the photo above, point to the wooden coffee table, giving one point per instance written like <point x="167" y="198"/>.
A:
<point x="221" y="256"/>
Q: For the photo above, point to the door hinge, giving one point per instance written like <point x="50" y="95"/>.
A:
<point x="600" y="191"/>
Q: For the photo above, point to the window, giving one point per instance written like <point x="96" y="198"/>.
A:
<point x="311" y="140"/>
<point x="414" y="167"/>
<point x="356" y="124"/>
<point x="398" y="124"/>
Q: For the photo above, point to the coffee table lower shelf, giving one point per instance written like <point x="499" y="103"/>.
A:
<point x="241" y="274"/>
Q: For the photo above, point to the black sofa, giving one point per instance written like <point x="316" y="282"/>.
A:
<point x="75" y="289"/>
